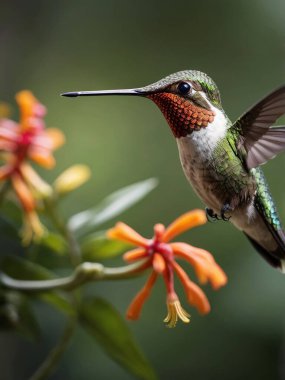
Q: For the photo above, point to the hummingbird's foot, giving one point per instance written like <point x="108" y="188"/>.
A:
<point x="211" y="216"/>
<point x="226" y="207"/>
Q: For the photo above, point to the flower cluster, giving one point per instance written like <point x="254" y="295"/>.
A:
<point x="24" y="141"/>
<point x="160" y="255"/>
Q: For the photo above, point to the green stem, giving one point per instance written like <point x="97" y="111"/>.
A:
<point x="74" y="249"/>
<point x="51" y="362"/>
<point x="84" y="273"/>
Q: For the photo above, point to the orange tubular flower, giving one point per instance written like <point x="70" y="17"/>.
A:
<point x="160" y="255"/>
<point x="20" y="142"/>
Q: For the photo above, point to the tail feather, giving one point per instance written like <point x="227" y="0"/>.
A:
<point x="271" y="258"/>
<point x="268" y="241"/>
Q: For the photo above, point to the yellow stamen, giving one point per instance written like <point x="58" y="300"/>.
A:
<point x="32" y="228"/>
<point x="175" y="311"/>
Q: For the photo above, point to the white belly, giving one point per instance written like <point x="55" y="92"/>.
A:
<point x="197" y="162"/>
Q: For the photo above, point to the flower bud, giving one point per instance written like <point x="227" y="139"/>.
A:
<point x="71" y="179"/>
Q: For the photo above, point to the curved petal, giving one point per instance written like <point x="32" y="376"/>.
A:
<point x="188" y="248"/>
<point x="194" y="293"/>
<point x="56" y="136"/>
<point x="158" y="263"/>
<point x="205" y="267"/>
<point x="186" y="221"/>
<point x="5" y="171"/>
<point x="134" y="310"/>
<point x="123" y="232"/>
<point x="8" y="146"/>
<point x="41" y="156"/>
<point x="41" y="187"/>
<point x="23" y="192"/>
<point x="41" y="140"/>
<point x="9" y="130"/>
<point x="26" y="102"/>
<point x="9" y="125"/>
<point x="134" y="254"/>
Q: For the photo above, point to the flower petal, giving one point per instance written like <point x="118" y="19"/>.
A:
<point x="7" y="146"/>
<point x="24" y="193"/>
<point x="9" y="130"/>
<point x="134" y="254"/>
<point x="194" y="293"/>
<point x="134" y="310"/>
<point x="42" y="157"/>
<point x="158" y="263"/>
<point x="29" y="106"/>
<point x="203" y="262"/>
<point x="56" y="136"/>
<point x="186" y="221"/>
<point x="5" y="171"/>
<point x="42" y="188"/>
<point x="123" y="232"/>
<point x="159" y="230"/>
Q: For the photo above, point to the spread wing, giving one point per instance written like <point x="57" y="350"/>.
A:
<point x="258" y="141"/>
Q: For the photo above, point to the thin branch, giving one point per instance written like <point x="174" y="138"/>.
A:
<point x="51" y="362"/>
<point x="84" y="273"/>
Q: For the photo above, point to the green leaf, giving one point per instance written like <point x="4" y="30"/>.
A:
<point x="98" y="247"/>
<point x="111" y="206"/>
<point x="22" y="269"/>
<point x="112" y="333"/>
<point x="54" y="242"/>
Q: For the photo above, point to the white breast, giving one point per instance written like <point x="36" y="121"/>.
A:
<point x="196" y="155"/>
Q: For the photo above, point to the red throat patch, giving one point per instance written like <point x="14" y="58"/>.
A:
<point x="182" y="116"/>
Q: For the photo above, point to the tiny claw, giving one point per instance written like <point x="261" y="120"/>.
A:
<point x="211" y="216"/>
<point x="226" y="207"/>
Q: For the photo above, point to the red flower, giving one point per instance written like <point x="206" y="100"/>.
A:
<point x="160" y="255"/>
<point x="20" y="142"/>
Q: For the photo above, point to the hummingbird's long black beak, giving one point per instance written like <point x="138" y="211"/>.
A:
<point x="133" y="91"/>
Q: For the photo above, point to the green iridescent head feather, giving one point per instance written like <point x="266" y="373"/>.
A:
<point x="207" y="84"/>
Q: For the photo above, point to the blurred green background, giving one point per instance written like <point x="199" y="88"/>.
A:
<point x="56" y="46"/>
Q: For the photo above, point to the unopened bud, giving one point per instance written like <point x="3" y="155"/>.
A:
<point x="71" y="179"/>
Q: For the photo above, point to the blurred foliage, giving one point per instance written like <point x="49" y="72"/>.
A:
<point x="52" y="47"/>
<point x="96" y="315"/>
<point x="110" y="330"/>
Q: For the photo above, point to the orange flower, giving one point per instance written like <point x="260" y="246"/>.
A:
<point x="25" y="140"/>
<point x="160" y="255"/>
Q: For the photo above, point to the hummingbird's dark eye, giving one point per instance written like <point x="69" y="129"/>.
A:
<point x="183" y="88"/>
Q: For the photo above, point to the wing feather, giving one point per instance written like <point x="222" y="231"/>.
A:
<point x="260" y="141"/>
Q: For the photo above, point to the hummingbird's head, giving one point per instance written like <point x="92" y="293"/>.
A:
<point x="187" y="99"/>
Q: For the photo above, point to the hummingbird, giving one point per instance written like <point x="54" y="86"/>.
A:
<point x="221" y="159"/>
